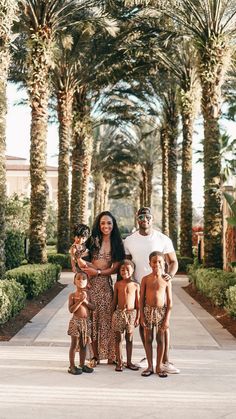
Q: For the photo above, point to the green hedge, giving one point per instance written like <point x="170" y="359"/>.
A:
<point x="60" y="259"/>
<point x="213" y="283"/>
<point x="231" y="301"/>
<point x="12" y="299"/>
<point x="14" y="249"/>
<point x="183" y="263"/>
<point x="35" y="278"/>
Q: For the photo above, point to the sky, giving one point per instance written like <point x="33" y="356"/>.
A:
<point x="18" y="140"/>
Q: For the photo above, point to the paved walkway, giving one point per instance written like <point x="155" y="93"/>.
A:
<point x="34" y="382"/>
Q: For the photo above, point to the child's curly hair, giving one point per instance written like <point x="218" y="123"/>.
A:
<point x="81" y="230"/>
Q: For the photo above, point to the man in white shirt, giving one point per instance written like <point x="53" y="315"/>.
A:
<point x="138" y="247"/>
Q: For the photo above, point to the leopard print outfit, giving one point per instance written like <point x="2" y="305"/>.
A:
<point x="154" y="316"/>
<point x="123" y="320"/>
<point x="80" y="328"/>
<point x="101" y="293"/>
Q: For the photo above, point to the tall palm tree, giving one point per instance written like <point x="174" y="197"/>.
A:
<point x="8" y="9"/>
<point x="211" y="24"/>
<point x="40" y="20"/>
<point x="181" y="61"/>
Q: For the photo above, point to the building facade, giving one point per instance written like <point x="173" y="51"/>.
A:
<point x="18" y="178"/>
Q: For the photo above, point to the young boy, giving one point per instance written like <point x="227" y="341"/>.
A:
<point x="78" y="248"/>
<point x="125" y="308"/>
<point x="155" y="308"/>
<point x="80" y="324"/>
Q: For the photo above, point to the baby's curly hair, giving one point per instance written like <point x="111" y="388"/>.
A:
<point x="81" y="230"/>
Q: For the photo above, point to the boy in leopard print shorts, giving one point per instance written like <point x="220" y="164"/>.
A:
<point x="79" y="329"/>
<point x="155" y="308"/>
<point x="125" y="313"/>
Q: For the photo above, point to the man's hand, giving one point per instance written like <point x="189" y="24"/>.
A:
<point x="167" y="277"/>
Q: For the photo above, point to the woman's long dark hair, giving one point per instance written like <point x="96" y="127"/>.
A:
<point x="94" y="243"/>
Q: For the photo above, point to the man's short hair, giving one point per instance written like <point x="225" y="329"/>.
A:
<point x="144" y="210"/>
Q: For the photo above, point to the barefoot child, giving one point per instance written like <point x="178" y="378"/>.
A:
<point x="155" y="308"/>
<point x="78" y="248"/>
<point x="125" y="308"/>
<point x="80" y="324"/>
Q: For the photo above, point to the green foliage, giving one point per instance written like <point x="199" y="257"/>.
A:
<point x="232" y="204"/>
<point x="35" y="278"/>
<point x="12" y="299"/>
<point x="213" y="283"/>
<point x="231" y="301"/>
<point x="60" y="259"/>
<point x="14" y="248"/>
<point x="51" y="226"/>
<point x="184" y="262"/>
<point x="17" y="213"/>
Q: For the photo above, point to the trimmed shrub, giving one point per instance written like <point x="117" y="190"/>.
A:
<point x="60" y="259"/>
<point x="213" y="283"/>
<point x="35" y="278"/>
<point x="183" y="263"/>
<point x="12" y="299"/>
<point x="14" y="249"/>
<point x="231" y="301"/>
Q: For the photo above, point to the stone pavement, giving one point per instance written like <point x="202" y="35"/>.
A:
<point x="35" y="384"/>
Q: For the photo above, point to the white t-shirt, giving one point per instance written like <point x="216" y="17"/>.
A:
<point x="140" y="247"/>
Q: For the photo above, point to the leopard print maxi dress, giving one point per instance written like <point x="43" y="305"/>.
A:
<point x="101" y="292"/>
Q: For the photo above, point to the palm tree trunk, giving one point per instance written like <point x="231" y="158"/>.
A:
<point x="87" y="147"/>
<point x="98" y="180"/>
<point x="38" y="87"/>
<point x="81" y="160"/>
<point x="172" y="172"/>
<point x="7" y="14"/>
<point x="64" y="109"/>
<point x="186" y="183"/>
<point x="211" y="76"/>
<point x="165" y="186"/>
<point x="4" y="61"/>
<point x="149" y="171"/>
<point x="106" y="195"/>
<point x="212" y="169"/>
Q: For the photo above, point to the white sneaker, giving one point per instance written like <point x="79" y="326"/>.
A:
<point x="170" y="368"/>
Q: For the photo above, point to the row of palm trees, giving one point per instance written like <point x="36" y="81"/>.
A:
<point x="135" y="68"/>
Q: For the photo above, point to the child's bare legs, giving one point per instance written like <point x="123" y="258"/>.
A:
<point x="72" y="368"/>
<point x="119" y="351"/>
<point x="166" y="346"/>
<point x="82" y="353"/>
<point x="160" y="337"/>
<point x="148" y="347"/>
<point x="73" y="347"/>
<point x="129" y="347"/>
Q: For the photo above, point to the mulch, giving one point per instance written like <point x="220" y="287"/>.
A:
<point x="219" y="313"/>
<point x="32" y="307"/>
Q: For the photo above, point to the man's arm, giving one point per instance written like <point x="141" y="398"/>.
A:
<point x="172" y="263"/>
<point x="142" y="301"/>
<point x="166" y="321"/>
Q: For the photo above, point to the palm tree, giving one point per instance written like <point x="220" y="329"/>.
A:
<point x="211" y="24"/>
<point x="40" y="22"/>
<point x="8" y="9"/>
<point x="181" y="61"/>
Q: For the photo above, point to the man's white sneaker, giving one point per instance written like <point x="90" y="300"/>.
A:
<point x="170" y="368"/>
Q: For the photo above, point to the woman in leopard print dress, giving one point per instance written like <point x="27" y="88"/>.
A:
<point x="106" y="250"/>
